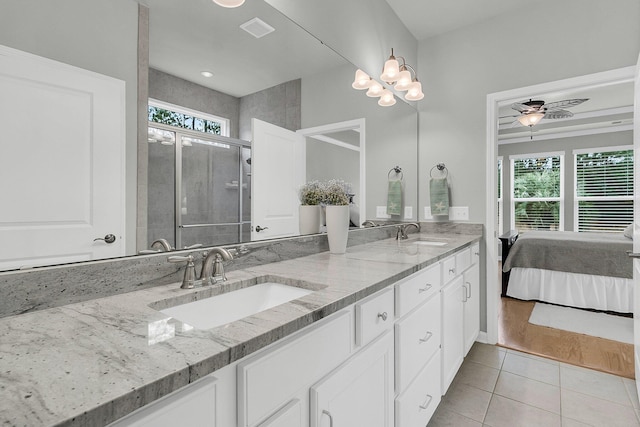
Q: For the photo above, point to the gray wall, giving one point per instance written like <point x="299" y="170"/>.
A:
<point x="278" y="105"/>
<point x="460" y="68"/>
<point x="566" y="145"/>
<point x="106" y="44"/>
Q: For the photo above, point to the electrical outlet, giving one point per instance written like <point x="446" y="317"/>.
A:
<point x="459" y="213"/>
<point x="408" y="212"/>
<point x="381" y="212"/>
<point x="427" y="212"/>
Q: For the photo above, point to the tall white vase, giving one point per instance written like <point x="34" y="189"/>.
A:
<point x="337" y="228"/>
<point x="309" y="219"/>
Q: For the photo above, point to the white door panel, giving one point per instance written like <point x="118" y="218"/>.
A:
<point x="279" y="165"/>
<point x="61" y="162"/>
<point x="636" y="221"/>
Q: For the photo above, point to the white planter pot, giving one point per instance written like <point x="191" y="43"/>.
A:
<point x="337" y="228"/>
<point x="309" y="219"/>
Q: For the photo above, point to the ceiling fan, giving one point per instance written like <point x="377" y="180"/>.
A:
<point x="532" y="111"/>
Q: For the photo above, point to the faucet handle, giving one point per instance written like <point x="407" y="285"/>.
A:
<point x="218" y="270"/>
<point x="189" y="279"/>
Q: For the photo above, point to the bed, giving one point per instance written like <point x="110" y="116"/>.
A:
<point x="583" y="270"/>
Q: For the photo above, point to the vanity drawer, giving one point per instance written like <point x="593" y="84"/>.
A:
<point x="463" y="260"/>
<point x="449" y="269"/>
<point x="475" y="253"/>
<point x="417" y="288"/>
<point x="374" y="315"/>
<point x="417" y="340"/>
<point x="271" y="378"/>
<point x="417" y="404"/>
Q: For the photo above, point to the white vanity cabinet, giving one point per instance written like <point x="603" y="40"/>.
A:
<point x="359" y="392"/>
<point x="452" y="330"/>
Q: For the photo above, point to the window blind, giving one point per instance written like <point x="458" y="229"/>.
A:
<point x="604" y="190"/>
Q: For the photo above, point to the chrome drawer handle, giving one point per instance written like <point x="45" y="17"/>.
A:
<point x="328" y="414"/>
<point x="426" y="337"/>
<point x="383" y="316"/>
<point x="425" y="289"/>
<point x="452" y="270"/>
<point x="426" y="402"/>
<point x="468" y="289"/>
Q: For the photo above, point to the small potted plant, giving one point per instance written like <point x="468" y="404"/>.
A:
<point x="337" y="214"/>
<point x="311" y="195"/>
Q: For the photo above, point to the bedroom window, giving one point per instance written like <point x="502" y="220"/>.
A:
<point x="604" y="189"/>
<point x="537" y="194"/>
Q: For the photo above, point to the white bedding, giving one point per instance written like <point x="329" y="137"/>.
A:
<point x="572" y="289"/>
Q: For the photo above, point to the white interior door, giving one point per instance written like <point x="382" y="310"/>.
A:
<point x="61" y="162"/>
<point x="636" y="221"/>
<point x="278" y="171"/>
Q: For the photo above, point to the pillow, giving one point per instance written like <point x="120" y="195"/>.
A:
<point x="628" y="231"/>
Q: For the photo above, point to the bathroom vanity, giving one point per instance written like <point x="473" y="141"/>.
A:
<point x="376" y="343"/>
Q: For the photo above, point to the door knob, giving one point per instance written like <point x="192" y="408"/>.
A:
<point x="259" y="229"/>
<point x="109" y="238"/>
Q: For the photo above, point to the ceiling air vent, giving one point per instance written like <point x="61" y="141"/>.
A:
<point x="257" y="27"/>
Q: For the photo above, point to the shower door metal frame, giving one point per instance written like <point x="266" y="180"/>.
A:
<point x="179" y="133"/>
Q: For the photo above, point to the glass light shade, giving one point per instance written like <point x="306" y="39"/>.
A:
<point x="361" y="81"/>
<point x="530" y="119"/>
<point x="404" y="80"/>
<point x="414" y="93"/>
<point x="387" y="99"/>
<point x="390" y="71"/>
<point x="229" y="3"/>
<point x="375" y="89"/>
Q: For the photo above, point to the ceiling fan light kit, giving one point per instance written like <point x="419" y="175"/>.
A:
<point x="394" y="74"/>
<point x="533" y="111"/>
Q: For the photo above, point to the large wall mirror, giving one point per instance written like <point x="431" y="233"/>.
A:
<point x="286" y="77"/>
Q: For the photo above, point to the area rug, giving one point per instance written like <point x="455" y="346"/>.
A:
<point x="601" y="325"/>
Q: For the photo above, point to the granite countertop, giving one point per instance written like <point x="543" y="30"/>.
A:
<point x="93" y="362"/>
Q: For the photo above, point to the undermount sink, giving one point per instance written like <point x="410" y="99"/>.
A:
<point x="231" y="306"/>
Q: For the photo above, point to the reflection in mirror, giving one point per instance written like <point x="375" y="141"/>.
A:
<point x="287" y="78"/>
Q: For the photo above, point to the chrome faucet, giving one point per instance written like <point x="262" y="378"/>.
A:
<point x="401" y="234"/>
<point x="212" y="268"/>
<point x="161" y="245"/>
<point x="369" y="223"/>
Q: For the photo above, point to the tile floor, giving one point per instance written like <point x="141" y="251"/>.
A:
<point x="498" y="387"/>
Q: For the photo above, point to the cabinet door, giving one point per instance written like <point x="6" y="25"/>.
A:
<point x="471" y="306"/>
<point x="452" y="330"/>
<point x="359" y="392"/>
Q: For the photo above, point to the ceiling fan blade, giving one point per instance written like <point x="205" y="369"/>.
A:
<point x="523" y="108"/>
<point x="505" y="117"/>
<point x="567" y="103"/>
<point x="558" y="114"/>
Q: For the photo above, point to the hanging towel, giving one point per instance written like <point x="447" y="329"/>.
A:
<point x="394" y="198"/>
<point x="439" y="194"/>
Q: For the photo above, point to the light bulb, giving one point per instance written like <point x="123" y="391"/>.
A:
<point x="414" y="93"/>
<point x="404" y="80"/>
<point x="387" y="99"/>
<point x="530" y="119"/>
<point x="361" y="81"/>
<point x="375" y="89"/>
<point x="229" y="3"/>
<point x="390" y="71"/>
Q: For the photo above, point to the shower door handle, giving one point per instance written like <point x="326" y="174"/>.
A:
<point x="259" y="229"/>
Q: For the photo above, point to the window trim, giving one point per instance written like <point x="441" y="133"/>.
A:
<point x="224" y="123"/>
<point x="577" y="199"/>
<point x="514" y="200"/>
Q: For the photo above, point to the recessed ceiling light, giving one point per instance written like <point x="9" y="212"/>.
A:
<point x="206" y="73"/>
<point x="229" y="3"/>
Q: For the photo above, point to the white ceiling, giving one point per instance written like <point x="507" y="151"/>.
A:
<point x="427" y="18"/>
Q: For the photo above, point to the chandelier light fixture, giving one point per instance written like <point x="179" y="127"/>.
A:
<point x="229" y="3"/>
<point x="402" y="77"/>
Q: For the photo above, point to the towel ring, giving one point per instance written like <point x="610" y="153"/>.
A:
<point x="441" y="167"/>
<point x="397" y="170"/>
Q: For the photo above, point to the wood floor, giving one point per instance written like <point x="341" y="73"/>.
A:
<point x="515" y="332"/>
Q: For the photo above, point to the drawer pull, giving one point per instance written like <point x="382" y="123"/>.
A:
<point x="468" y="290"/>
<point x="383" y="316"/>
<point x="328" y="414"/>
<point x="426" y="403"/>
<point x="425" y="289"/>
<point x="452" y="270"/>
<point x="426" y="337"/>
